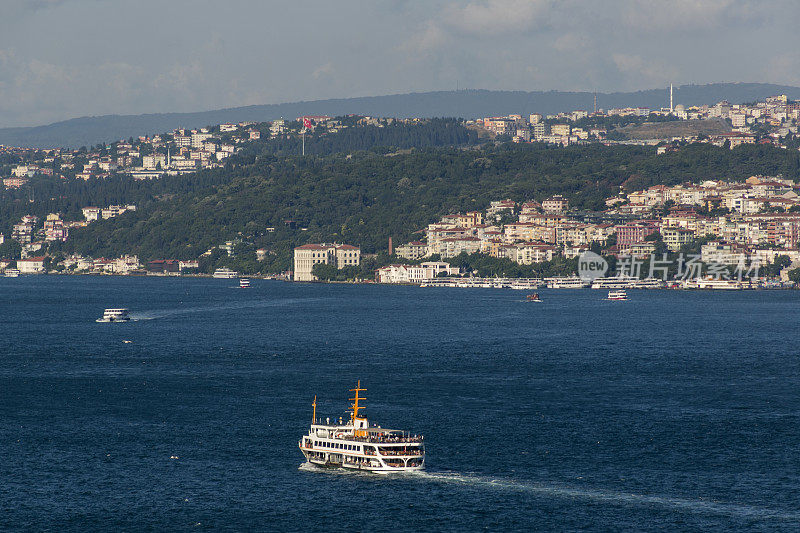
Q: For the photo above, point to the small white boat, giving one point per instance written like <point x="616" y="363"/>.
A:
<point x="12" y="273"/>
<point x="244" y="283"/>
<point x="617" y="296"/>
<point x="115" y="315"/>
<point x="534" y="297"/>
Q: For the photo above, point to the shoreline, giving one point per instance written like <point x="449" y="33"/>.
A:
<point x="403" y="284"/>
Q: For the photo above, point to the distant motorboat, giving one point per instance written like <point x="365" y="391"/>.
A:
<point x="244" y="283"/>
<point x="534" y="297"/>
<point x="115" y="315"/>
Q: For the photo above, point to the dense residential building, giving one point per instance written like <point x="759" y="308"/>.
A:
<point x="634" y="232"/>
<point x="555" y="204"/>
<point x="413" y="250"/>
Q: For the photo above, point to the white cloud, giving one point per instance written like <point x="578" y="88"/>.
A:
<point x="494" y="17"/>
<point x="648" y="71"/>
<point x="56" y="61"/>
<point x="323" y="71"/>
<point x="428" y="39"/>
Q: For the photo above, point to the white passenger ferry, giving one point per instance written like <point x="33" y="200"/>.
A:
<point x="356" y="445"/>
<point x="617" y="296"/>
<point x="566" y="283"/>
<point x="12" y="273"/>
<point x="627" y="282"/>
<point x="225" y="273"/>
<point x="244" y="283"/>
<point x="115" y="315"/>
<point x="713" y="284"/>
<point x="525" y="284"/>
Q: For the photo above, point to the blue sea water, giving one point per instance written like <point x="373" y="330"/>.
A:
<point x="674" y="411"/>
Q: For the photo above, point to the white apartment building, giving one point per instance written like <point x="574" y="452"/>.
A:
<point x="197" y="139"/>
<point x="308" y="255"/>
<point x="413" y="250"/>
<point x="91" y="213"/>
<point x="32" y="265"/>
<point x="413" y="273"/>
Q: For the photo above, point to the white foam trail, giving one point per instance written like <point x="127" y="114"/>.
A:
<point x="684" y="504"/>
<point x="309" y="467"/>
<point x="163" y="313"/>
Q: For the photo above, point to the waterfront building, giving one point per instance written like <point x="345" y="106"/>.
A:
<point x="308" y="255"/>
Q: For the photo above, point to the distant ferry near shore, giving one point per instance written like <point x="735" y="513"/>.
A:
<point x="12" y="273"/>
<point x="355" y="445"/>
<point x="624" y="282"/>
<point x="566" y="283"/>
<point x="484" y="283"/>
<point x="225" y="273"/>
<point x="244" y="283"/>
<point x="115" y="315"/>
<point x="617" y="296"/>
<point x="717" y="284"/>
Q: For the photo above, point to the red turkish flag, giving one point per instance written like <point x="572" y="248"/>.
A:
<point x="307" y="122"/>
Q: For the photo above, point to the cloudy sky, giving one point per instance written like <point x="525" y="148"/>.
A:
<point x="61" y="59"/>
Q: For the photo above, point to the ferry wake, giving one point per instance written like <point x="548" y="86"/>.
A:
<point x="356" y="445"/>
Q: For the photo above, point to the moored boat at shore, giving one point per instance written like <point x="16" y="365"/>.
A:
<point x="225" y="273"/>
<point x="355" y="445"/>
<point x="627" y="282"/>
<point x="713" y="284"/>
<point x="566" y="283"/>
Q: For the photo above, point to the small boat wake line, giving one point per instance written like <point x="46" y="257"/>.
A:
<point x="163" y="313"/>
<point x="612" y="497"/>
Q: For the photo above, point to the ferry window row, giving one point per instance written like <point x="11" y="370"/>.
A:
<point x="337" y="445"/>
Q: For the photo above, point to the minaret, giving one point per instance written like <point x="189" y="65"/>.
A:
<point x="671" y="109"/>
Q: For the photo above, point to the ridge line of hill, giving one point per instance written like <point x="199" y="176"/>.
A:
<point x="86" y="131"/>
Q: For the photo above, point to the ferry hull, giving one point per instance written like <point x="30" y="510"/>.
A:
<point x="334" y="463"/>
<point x="361" y="468"/>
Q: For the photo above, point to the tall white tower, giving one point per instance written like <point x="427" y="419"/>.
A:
<point x="671" y="109"/>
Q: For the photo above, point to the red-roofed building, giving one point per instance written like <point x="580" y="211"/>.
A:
<point x="31" y="265"/>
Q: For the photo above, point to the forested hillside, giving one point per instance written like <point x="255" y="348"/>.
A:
<point x="43" y="195"/>
<point x="366" y="197"/>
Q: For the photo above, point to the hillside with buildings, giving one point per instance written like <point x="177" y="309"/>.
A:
<point x="525" y="193"/>
<point x="468" y="104"/>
